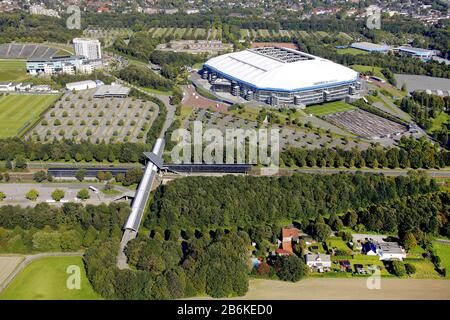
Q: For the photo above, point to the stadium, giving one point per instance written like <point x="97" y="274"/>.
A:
<point x="280" y="76"/>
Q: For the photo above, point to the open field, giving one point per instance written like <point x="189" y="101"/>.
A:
<point x="45" y="279"/>
<point x="351" y="289"/>
<point x="376" y="71"/>
<point x="443" y="251"/>
<point x="352" y="51"/>
<point x="12" y="70"/>
<point x="440" y="120"/>
<point x="18" y="112"/>
<point x="329" y="108"/>
<point x="7" y="266"/>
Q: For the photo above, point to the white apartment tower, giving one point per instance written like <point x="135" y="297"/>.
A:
<point x="90" y="48"/>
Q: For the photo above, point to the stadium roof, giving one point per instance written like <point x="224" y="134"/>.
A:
<point x="280" y="69"/>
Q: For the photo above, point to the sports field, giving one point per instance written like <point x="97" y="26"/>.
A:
<point x="46" y="279"/>
<point x="12" y="70"/>
<point x="329" y="108"/>
<point x="352" y="51"/>
<point x="18" y="112"/>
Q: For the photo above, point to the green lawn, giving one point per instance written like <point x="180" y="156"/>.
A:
<point x="45" y="279"/>
<point x="441" y="119"/>
<point x="443" y="251"/>
<point x="338" y="243"/>
<point x="12" y="70"/>
<point x="352" y="51"/>
<point x="329" y="108"/>
<point x="375" y="70"/>
<point x="18" y="112"/>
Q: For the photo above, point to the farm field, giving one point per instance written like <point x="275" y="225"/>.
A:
<point x="18" y="112"/>
<point x="45" y="279"/>
<point x="345" y="288"/>
<point x="443" y="251"/>
<point x="329" y="108"/>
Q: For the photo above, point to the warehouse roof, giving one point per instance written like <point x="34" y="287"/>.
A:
<point x="368" y="46"/>
<point x="281" y="69"/>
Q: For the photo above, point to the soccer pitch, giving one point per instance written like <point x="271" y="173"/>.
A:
<point x="329" y="108"/>
<point x="46" y="279"/>
<point x="12" y="70"/>
<point x="19" y="112"/>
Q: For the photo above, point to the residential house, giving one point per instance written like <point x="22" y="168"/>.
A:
<point x="318" y="261"/>
<point x="369" y="248"/>
<point x="288" y="235"/>
<point x="391" y="251"/>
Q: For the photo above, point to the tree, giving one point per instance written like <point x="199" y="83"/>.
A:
<point x="58" y="194"/>
<point x="80" y="175"/>
<point x="289" y="268"/>
<point x="398" y="268"/>
<point x="410" y="268"/>
<point x="47" y="241"/>
<point x="40" y="176"/>
<point x="70" y="240"/>
<point x="83" y="194"/>
<point x="409" y="241"/>
<point x="2" y="196"/>
<point x="32" y="195"/>
<point x="320" y="231"/>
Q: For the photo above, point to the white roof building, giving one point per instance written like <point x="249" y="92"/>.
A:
<point x="81" y="85"/>
<point x="280" y="69"/>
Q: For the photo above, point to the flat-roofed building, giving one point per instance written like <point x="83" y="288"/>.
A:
<point x="112" y="91"/>
<point x="371" y="47"/>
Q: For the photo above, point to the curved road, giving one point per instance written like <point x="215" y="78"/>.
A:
<point x="29" y="259"/>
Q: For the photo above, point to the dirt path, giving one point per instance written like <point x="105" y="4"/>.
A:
<point x="349" y="289"/>
<point x="6" y="279"/>
<point x="7" y="265"/>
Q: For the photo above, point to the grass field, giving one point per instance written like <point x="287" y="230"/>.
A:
<point x="18" y="112"/>
<point x="352" y="51"/>
<point x="443" y="251"/>
<point x="375" y="70"/>
<point x="329" y="108"/>
<point x="45" y="279"/>
<point x="441" y="119"/>
<point x="12" y="70"/>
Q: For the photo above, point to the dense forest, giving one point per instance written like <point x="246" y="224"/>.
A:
<point x="245" y="200"/>
<point x="411" y="153"/>
<point x="166" y="269"/>
<point x="68" y="228"/>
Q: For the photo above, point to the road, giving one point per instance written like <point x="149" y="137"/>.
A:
<point x="16" y="192"/>
<point x="29" y="259"/>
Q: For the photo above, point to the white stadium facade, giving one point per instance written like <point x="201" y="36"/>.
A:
<point x="280" y="76"/>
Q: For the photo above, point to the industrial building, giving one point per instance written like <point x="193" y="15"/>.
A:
<point x="371" y="47"/>
<point x="59" y="64"/>
<point x="112" y="91"/>
<point x="83" y="85"/>
<point x="90" y="48"/>
<point x="280" y="76"/>
<point x="423" y="54"/>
